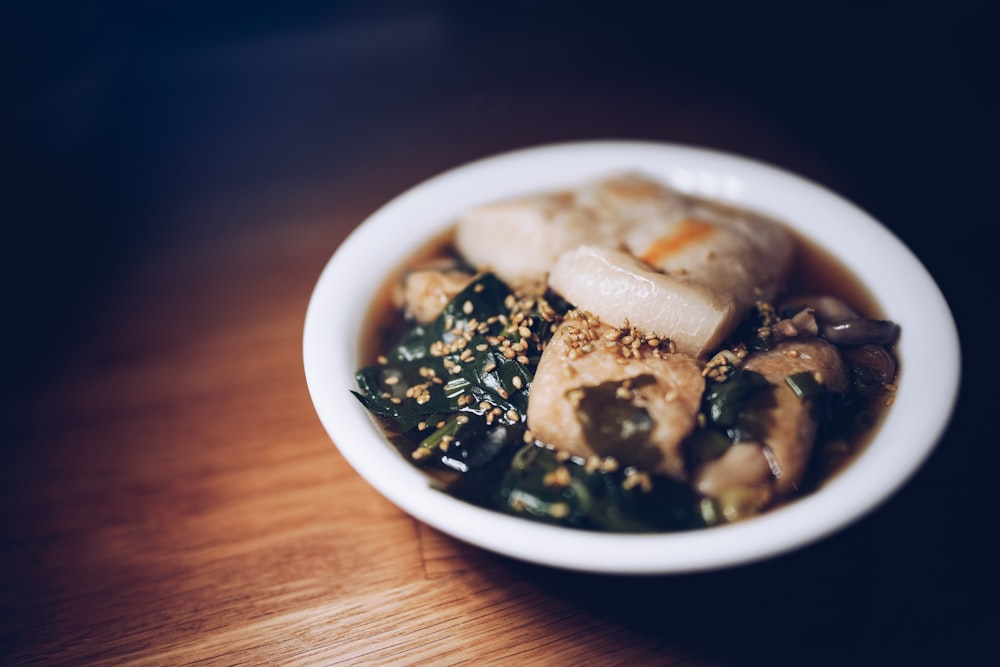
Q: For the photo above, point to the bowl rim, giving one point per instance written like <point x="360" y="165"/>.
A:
<point x="896" y="278"/>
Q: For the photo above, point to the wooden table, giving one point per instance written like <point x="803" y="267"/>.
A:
<point x="168" y="496"/>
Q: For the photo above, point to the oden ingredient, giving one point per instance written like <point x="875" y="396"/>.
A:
<point x="625" y="246"/>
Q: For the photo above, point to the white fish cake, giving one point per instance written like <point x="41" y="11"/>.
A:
<point x="519" y="239"/>
<point x="748" y="260"/>
<point x="618" y="288"/>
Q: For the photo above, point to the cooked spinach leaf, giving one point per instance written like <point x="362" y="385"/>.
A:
<point x="734" y="411"/>
<point x="542" y="486"/>
<point x="449" y="385"/>
<point x="615" y="424"/>
<point x="735" y="406"/>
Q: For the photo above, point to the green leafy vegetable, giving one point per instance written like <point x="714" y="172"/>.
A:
<point x="734" y="411"/>
<point x="448" y="383"/>
<point x="542" y="486"/>
<point x="805" y="385"/>
<point x="618" y="426"/>
<point x="734" y="406"/>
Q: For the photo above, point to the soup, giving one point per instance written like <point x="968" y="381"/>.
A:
<point x="620" y="414"/>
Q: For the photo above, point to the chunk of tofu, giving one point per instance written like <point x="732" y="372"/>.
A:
<point x="790" y="426"/>
<point x="656" y="395"/>
<point x="425" y="291"/>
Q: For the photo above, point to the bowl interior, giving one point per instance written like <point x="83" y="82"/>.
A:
<point x="928" y="349"/>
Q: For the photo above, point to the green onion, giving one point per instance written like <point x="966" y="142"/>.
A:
<point x="805" y="385"/>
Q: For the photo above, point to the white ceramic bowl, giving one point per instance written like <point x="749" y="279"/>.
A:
<point x="928" y="348"/>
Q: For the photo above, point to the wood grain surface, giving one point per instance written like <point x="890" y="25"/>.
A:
<point x="173" y="500"/>
<point x="167" y="494"/>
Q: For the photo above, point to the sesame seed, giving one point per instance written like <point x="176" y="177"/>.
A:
<point x="559" y="510"/>
<point x="467" y="307"/>
<point x="559" y="478"/>
<point x="635" y="478"/>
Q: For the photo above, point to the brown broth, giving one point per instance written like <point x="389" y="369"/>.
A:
<point x="384" y="319"/>
<point x="814" y="271"/>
